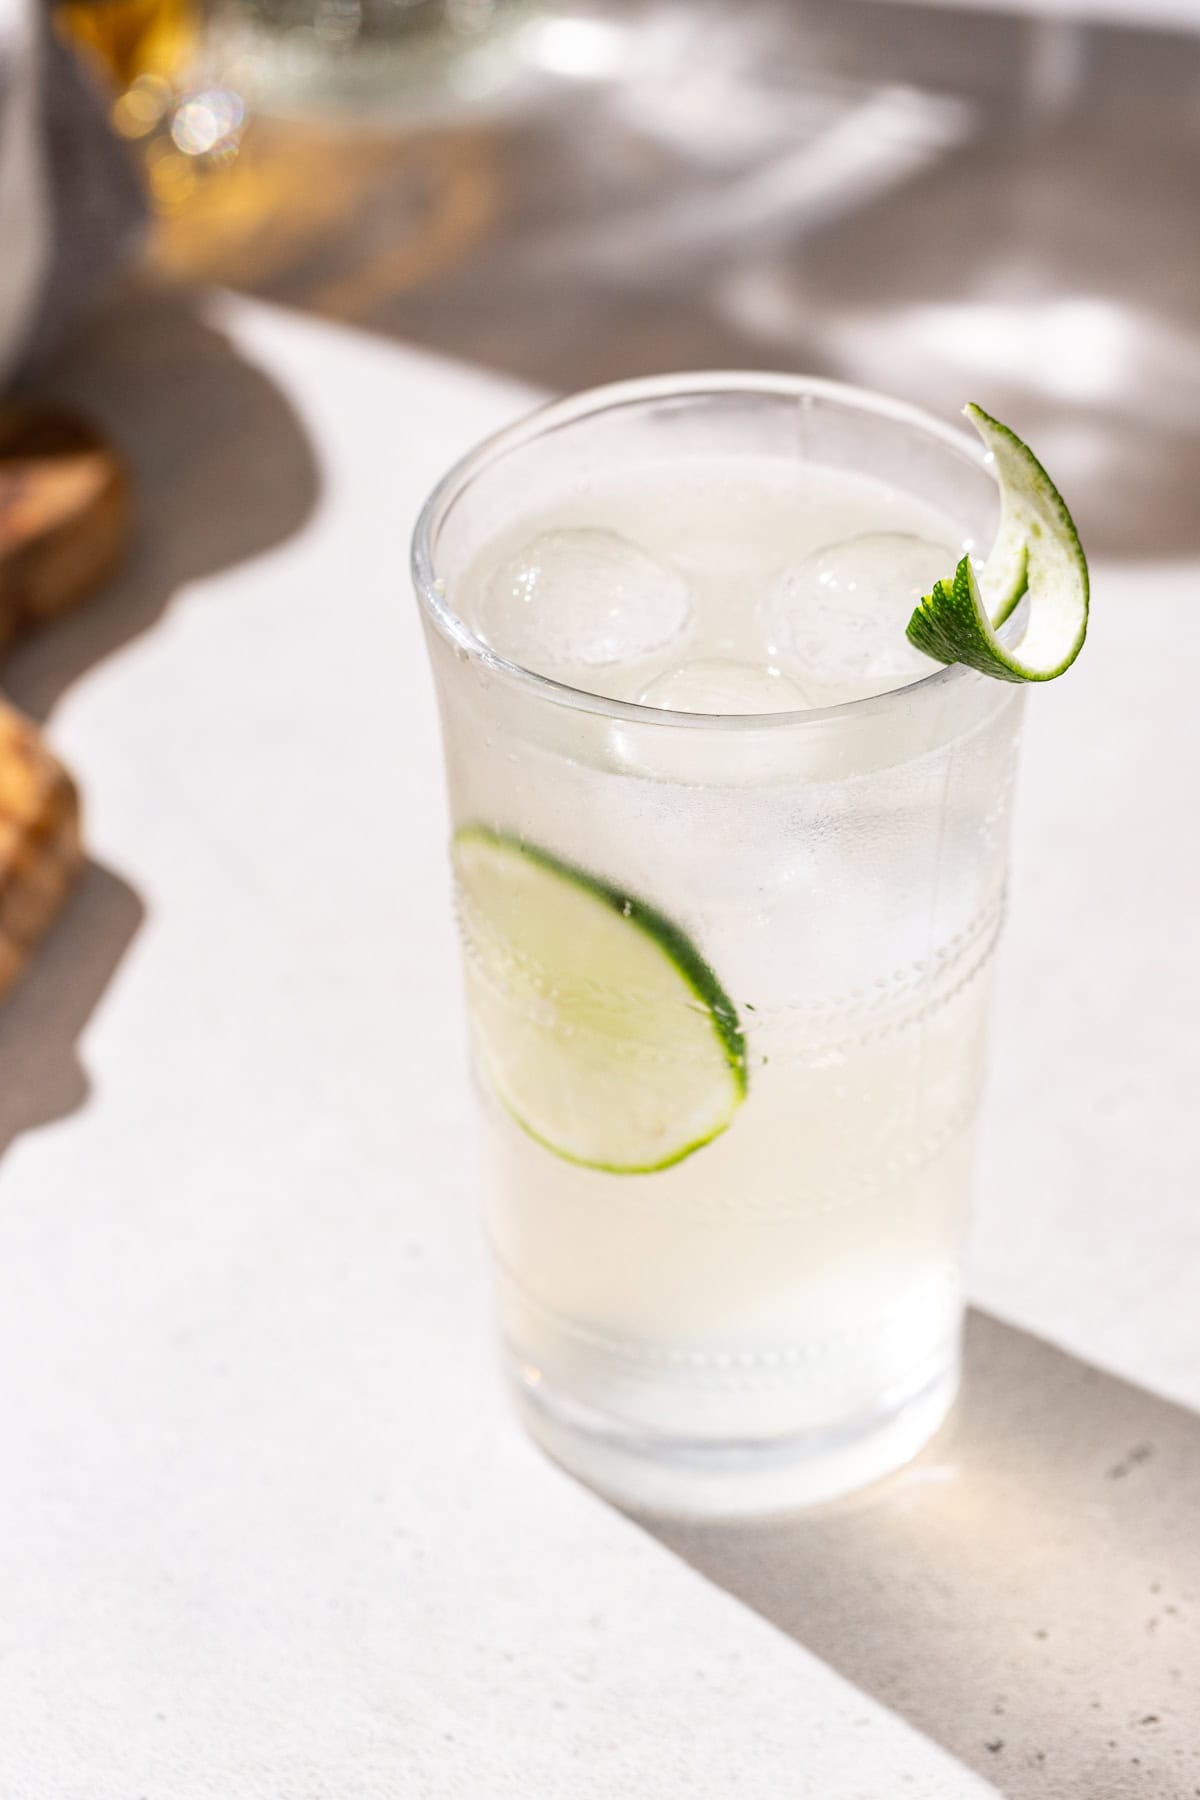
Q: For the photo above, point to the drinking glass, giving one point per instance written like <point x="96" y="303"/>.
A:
<point x="775" y="1317"/>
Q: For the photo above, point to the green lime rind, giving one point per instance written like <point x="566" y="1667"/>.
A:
<point x="673" y="942"/>
<point x="617" y="1168"/>
<point x="613" y="1045"/>
<point x="1037" y="550"/>
<point x="670" y="938"/>
<point x="950" y="625"/>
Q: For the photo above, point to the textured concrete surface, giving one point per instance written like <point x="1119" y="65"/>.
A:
<point x="1027" y="1591"/>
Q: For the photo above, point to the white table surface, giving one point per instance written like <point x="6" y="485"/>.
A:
<point x="268" y="1531"/>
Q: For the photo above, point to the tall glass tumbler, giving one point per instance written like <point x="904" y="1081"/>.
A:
<point x="774" y="932"/>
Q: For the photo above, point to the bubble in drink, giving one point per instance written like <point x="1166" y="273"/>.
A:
<point x="721" y="685"/>
<point x="837" y="619"/>
<point x="583" y="599"/>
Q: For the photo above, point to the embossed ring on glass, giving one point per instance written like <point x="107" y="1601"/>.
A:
<point x="729" y="864"/>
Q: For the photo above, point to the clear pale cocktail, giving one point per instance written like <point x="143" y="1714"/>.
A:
<point x="730" y="859"/>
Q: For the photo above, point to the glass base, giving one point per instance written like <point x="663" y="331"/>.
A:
<point x="689" y="1478"/>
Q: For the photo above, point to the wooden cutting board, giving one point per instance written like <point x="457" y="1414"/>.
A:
<point x="64" y="526"/>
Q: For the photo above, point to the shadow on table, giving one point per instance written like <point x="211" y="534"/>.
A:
<point x="223" y="471"/>
<point x="1025" y="1593"/>
<point x="44" y="1016"/>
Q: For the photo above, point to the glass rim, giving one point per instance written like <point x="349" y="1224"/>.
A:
<point x="609" y="397"/>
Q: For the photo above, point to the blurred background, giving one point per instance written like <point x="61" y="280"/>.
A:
<point x="934" y="199"/>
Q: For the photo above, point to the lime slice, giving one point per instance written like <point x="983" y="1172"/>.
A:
<point x="597" y="1021"/>
<point x="1037" y="549"/>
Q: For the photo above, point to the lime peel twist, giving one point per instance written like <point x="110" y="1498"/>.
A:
<point x="1037" y="551"/>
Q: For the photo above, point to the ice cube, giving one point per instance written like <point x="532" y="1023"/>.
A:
<point x="718" y="684"/>
<point x="836" y="621"/>
<point x="583" y="599"/>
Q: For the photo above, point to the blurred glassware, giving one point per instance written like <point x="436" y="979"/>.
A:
<point x="629" y="154"/>
<point x="372" y="59"/>
<point x="149" y="55"/>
